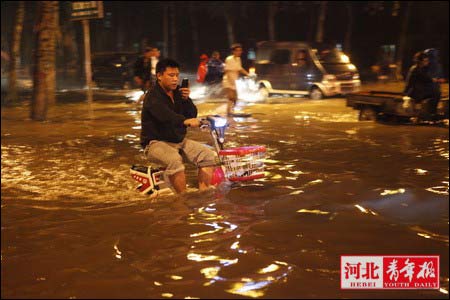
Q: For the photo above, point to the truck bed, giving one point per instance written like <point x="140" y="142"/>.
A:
<point x="391" y="103"/>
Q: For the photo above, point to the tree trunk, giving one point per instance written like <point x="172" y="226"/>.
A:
<point x="44" y="60"/>
<point x="194" y="24"/>
<point x="349" y="31"/>
<point x="402" y="41"/>
<point x="166" y="30"/>
<point x="119" y="20"/>
<point x="52" y="69"/>
<point x="173" y="30"/>
<point x="230" y="28"/>
<point x="15" y="53"/>
<point x="311" y="24"/>
<point x="272" y="11"/>
<point x="321" y="22"/>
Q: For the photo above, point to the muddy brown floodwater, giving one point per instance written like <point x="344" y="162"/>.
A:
<point x="73" y="225"/>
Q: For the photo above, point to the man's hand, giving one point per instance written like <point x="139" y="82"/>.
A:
<point x="185" y="93"/>
<point x="193" y="122"/>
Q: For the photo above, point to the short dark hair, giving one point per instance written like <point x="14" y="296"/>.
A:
<point x="420" y="56"/>
<point x="162" y="65"/>
<point x="235" y="45"/>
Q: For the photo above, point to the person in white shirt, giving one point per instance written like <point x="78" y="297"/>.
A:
<point x="154" y="59"/>
<point x="233" y="67"/>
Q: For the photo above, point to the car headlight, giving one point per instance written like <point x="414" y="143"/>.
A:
<point x="355" y="76"/>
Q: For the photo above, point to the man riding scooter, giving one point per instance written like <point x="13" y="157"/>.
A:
<point x="166" y="113"/>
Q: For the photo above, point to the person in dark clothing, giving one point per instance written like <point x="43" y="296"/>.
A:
<point x="419" y="84"/>
<point x="434" y="70"/>
<point x="166" y="113"/>
<point x="215" y="69"/>
<point x="142" y="69"/>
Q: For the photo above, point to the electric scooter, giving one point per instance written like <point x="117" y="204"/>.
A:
<point x="234" y="164"/>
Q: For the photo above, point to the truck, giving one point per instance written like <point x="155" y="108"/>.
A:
<point x="375" y="105"/>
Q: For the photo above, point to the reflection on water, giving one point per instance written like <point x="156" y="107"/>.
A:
<point x="73" y="225"/>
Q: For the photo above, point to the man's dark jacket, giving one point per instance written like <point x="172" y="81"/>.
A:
<point x="162" y="119"/>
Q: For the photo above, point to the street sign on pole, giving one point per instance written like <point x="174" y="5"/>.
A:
<point x="83" y="11"/>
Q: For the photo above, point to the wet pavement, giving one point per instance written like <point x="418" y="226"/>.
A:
<point x="73" y="225"/>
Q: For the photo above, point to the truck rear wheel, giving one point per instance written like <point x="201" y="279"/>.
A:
<point x="367" y="113"/>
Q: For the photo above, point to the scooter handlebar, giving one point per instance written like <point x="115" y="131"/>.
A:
<point x="204" y="123"/>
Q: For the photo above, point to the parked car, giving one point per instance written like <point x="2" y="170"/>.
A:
<point x="304" y="69"/>
<point x="114" y="69"/>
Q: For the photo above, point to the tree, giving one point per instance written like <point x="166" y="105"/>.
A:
<point x="311" y="23"/>
<point x="194" y="27"/>
<point x="229" y="18"/>
<point x="54" y="37"/>
<point x="272" y="11"/>
<point x="119" y="18"/>
<point x="173" y="29"/>
<point x="321" y="22"/>
<point x="402" y="40"/>
<point x="349" y="30"/>
<point x="166" y="30"/>
<point x="15" y="53"/>
<point x="228" y="11"/>
<point x="44" y="60"/>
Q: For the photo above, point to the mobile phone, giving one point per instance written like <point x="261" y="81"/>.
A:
<point x="185" y="83"/>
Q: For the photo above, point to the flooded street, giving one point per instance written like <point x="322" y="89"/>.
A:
<point x="73" y="225"/>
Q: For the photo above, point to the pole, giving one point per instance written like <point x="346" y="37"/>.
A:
<point x="87" y="64"/>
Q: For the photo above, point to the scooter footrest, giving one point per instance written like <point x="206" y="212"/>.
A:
<point x="142" y="169"/>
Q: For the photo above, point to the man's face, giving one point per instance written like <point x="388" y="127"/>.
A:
<point x="237" y="52"/>
<point x="169" y="79"/>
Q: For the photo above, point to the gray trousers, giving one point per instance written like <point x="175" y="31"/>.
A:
<point x="169" y="156"/>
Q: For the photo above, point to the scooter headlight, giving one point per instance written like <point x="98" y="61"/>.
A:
<point x="220" y="122"/>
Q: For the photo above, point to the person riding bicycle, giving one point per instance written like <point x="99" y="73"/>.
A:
<point x="166" y="113"/>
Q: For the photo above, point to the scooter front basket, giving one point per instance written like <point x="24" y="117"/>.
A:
<point x="243" y="163"/>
